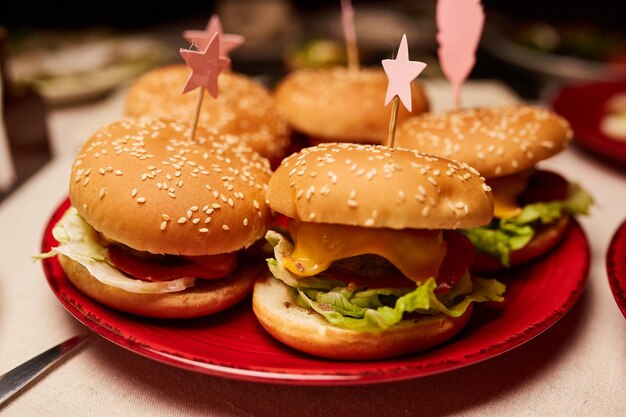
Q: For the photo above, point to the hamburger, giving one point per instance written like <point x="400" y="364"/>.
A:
<point x="533" y="207"/>
<point x="370" y="266"/>
<point x="243" y="108"/>
<point x="341" y="105"/>
<point x="159" y="225"/>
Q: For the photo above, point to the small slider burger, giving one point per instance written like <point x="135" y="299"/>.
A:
<point x="371" y="267"/>
<point x="243" y="108"/>
<point x="159" y="224"/>
<point x="341" y="105"/>
<point x="532" y="207"/>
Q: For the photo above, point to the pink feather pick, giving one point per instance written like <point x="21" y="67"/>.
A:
<point x="460" y="25"/>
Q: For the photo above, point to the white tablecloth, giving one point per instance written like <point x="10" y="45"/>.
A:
<point x="577" y="367"/>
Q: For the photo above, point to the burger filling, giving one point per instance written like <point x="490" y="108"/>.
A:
<point x="370" y="279"/>
<point x="134" y="271"/>
<point x="524" y="203"/>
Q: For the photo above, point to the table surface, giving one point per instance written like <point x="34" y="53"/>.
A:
<point x="577" y="367"/>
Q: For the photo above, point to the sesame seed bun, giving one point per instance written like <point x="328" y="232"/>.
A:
<point x="204" y="298"/>
<point x="243" y="108"/>
<point x="374" y="186"/>
<point x="496" y="141"/>
<point x="140" y="182"/>
<point x="341" y="105"/>
<point x="309" y="332"/>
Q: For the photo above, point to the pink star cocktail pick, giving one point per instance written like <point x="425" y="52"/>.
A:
<point x="206" y="66"/>
<point x="349" y="32"/>
<point x="401" y="72"/>
<point x="201" y="38"/>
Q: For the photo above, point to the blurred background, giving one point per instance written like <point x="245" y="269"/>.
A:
<point x="63" y="53"/>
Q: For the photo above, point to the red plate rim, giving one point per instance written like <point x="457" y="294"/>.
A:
<point x="281" y="376"/>
<point x="585" y="135"/>
<point x="616" y="266"/>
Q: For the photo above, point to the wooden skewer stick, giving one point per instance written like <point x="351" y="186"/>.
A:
<point x="196" y="114"/>
<point x="391" y="138"/>
<point x="353" y="56"/>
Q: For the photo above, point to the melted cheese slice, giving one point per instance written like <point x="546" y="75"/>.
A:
<point x="418" y="254"/>
<point x="505" y="191"/>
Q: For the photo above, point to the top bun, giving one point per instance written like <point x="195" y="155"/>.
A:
<point x="374" y="186"/>
<point x="140" y="182"/>
<point x="341" y="105"/>
<point x="243" y="108"/>
<point x="496" y="141"/>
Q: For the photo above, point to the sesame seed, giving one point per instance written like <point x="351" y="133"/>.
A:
<point x="225" y="227"/>
<point x="141" y="200"/>
<point x="255" y="204"/>
<point x="311" y="216"/>
<point x="425" y="211"/>
<point x="133" y="193"/>
<point x="215" y="205"/>
<point x="369" y="222"/>
<point x="203" y="230"/>
<point x="195" y="221"/>
<point x="101" y="171"/>
<point x="118" y="172"/>
<point x="86" y="181"/>
<point x="352" y="203"/>
<point x="165" y="217"/>
<point x="245" y="221"/>
<point x="171" y="194"/>
<point x="207" y="220"/>
<point x="144" y="177"/>
<point x="182" y="220"/>
<point x="189" y="214"/>
<point x="102" y="191"/>
<point x="163" y="225"/>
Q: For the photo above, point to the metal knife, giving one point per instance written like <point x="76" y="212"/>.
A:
<point x="17" y="378"/>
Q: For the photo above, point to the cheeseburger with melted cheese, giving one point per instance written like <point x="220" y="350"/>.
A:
<point x="533" y="207"/>
<point x="159" y="225"/>
<point x="371" y="265"/>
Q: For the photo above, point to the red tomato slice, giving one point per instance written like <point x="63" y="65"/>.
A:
<point x="169" y="267"/>
<point x="545" y="186"/>
<point x="459" y="257"/>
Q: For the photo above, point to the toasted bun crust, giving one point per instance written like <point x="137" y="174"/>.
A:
<point x="243" y="108"/>
<point x="373" y="186"/>
<point x="539" y="245"/>
<point x="206" y="297"/>
<point x="340" y="105"/>
<point x="309" y="332"/>
<point x="142" y="183"/>
<point x="495" y="141"/>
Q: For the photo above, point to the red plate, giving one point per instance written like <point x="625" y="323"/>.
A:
<point x="616" y="267"/>
<point x="232" y="344"/>
<point x="584" y="106"/>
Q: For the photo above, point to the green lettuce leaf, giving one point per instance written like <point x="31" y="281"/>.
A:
<point x="355" y="311"/>
<point x="505" y="235"/>
<point x="78" y="241"/>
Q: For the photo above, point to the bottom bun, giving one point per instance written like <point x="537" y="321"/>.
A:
<point x="547" y="238"/>
<point x="309" y="332"/>
<point x="204" y="298"/>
